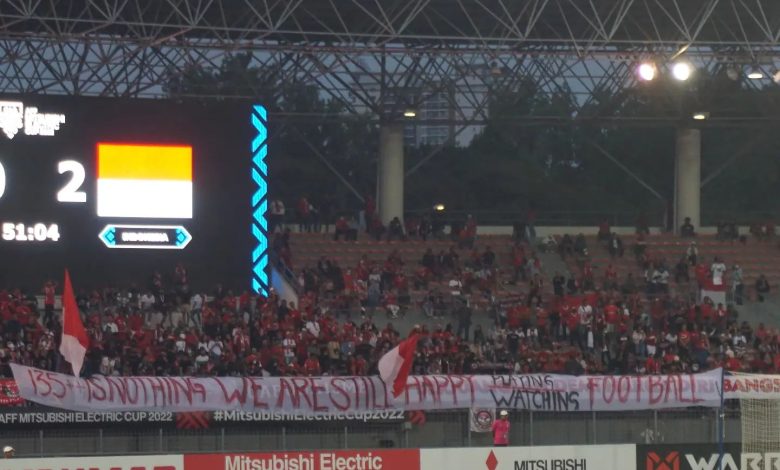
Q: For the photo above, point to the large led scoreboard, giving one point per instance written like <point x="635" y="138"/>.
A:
<point x="117" y="189"/>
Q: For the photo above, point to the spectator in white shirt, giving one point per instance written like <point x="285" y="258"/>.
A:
<point x="718" y="268"/>
<point x="313" y="327"/>
<point x="146" y="301"/>
<point x="276" y="215"/>
<point x="215" y="348"/>
<point x="196" y="306"/>
<point x="181" y="344"/>
<point x="110" y="327"/>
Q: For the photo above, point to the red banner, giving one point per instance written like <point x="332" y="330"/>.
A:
<point x="9" y="393"/>
<point x="406" y="459"/>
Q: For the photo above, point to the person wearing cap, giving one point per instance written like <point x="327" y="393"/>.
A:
<point x="500" y="429"/>
<point x="8" y="452"/>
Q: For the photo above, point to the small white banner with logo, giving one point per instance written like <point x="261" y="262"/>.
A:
<point x="481" y="419"/>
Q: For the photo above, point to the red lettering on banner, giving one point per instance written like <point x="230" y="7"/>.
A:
<point x="315" y="390"/>
<point x="655" y="388"/>
<point x="182" y="392"/>
<point x="335" y="383"/>
<point x="623" y="388"/>
<point x="591" y="390"/>
<point x="285" y="387"/>
<point x="355" y="392"/>
<point x="638" y="388"/>
<point x="257" y="393"/>
<point x="52" y="376"/>
<point x="384" y="394"/>
<point x="236" y="394"/>
<point x="442" y="383"/>
<point x="197" y="389"/>
<point x="471" y="388"/>
<point x="455" y="382"/>
<point x="608" y="388"/>
<point x="41" y="380"/>
<point x="301" y="385"/>
<point x="672" y="382"/>
<point x="310" y="395"/>
<point x="692" y="387"/>
<point x="365" y="391"/>
<point x="428" y="387"/>
<point x="157" y="389"/>
<point x="414" y="385"/>
<point x="95" y="389"/>
<point x="169" y="390"/>
<point x="115" y="385"/>
<point x="377" y="405"/>
<point x="142" y="385"/>
<point x="32" y="373"/>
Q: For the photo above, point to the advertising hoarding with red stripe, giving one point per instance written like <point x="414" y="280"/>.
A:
<point x="402" y="459"/>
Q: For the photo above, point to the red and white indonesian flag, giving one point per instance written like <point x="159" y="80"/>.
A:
<point x="394" y="367"/>
<point x="73" y="346"/>
<point x="146" y="181"/>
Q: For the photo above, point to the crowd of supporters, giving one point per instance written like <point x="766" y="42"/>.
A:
<point x="344" y="322"/>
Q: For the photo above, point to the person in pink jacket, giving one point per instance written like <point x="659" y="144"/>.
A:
<point x="500" y="430"/>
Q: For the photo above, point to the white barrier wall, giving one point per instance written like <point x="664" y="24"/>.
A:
<point x="606" y="457"/>
<point x="136" y="462"/>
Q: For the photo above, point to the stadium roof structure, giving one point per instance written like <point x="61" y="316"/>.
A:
<point x="379" y="56"/>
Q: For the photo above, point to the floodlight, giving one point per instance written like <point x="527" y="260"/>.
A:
<point x="646" y="71"/>
<point x="682" y="71"/>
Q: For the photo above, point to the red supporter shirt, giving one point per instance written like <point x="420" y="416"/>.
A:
<point x="611" y="314"/>
<point x="500" y="430"/>
<point x="48" y="293"/>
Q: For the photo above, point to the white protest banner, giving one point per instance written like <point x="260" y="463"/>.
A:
<point x="756" y="386"/>
<point x="308" y="396"/>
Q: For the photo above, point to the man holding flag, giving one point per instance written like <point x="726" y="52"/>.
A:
<point x="74" y="343"/>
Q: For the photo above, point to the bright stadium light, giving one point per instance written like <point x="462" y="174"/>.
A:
<point x="682" y="71"/>
<point x="410" y="113"/>
<point x="438" y="207"/>
<point x="646" y="71"/>
<point x="701" y="116"/>
<point x="755" y="74"/>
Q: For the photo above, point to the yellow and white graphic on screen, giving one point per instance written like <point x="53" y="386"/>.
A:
<point x="144" y="181"/>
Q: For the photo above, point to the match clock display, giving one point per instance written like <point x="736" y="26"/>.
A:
<point x="116" y="189"/>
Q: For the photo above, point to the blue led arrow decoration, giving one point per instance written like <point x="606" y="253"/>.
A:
<point x="259" y="225"/>
<point x="108" y="236"/>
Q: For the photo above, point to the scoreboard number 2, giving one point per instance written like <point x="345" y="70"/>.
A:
<point x="71" y="191"/>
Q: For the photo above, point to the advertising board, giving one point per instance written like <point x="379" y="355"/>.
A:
<point x="597" y="457"/>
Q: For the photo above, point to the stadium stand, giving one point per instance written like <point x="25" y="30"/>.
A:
<point x="473" y="308"/>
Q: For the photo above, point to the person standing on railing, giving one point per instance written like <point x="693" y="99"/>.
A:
<point x="500" y="430"/>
